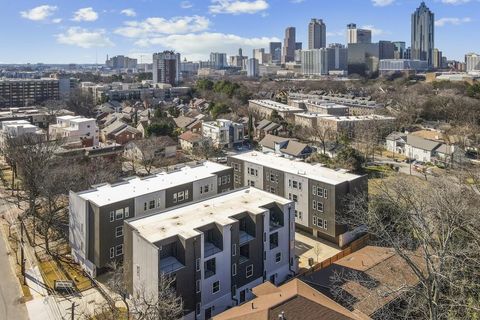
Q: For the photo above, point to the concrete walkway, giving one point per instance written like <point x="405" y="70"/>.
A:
<point x="307" y="246"/>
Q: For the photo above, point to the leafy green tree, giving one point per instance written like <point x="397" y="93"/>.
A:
<point x="218" y="108"/>
<point x="160" y="128"/>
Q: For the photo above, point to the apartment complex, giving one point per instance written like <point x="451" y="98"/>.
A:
<point x="265" y="108"/>
<point x="166" y="67"/>
<point x="97" y="215"/>
<point x="75" y="129"/>
<point x="218" y="249"/>
<point x="318" y="192"/>
<point x="24" y="92"/>
<point x="223" y="133"/>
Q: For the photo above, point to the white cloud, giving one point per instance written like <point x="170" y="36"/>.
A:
<point x="339" y="33"/>
<point x="85" y="14"/>
<point x="58" y="20"/>
<point x="237" y="6"/>
<point x="453" y="21"/>
<point x="297" y="1"/>
<point x="197" y="46"/>
<point x="84" y="38"/>
<point x="375" y="31"/>
<point x="39" y="13"/>
<point x="382" y="3"/>
<point x="154" y="26"/>
<point x="455" y="1"/>
<point x="129" y="12"/>
<point x="186" y="4"/>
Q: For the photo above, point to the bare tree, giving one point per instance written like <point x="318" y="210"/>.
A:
<point x="166" y="305"/>
<point x="317" y="250"/>
<point x="432" y="226"/>
<point x="31" y="156"/>
<point x="143" y="306"/>
<point x="148" y="153"/>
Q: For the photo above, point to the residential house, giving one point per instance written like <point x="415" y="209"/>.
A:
<point x="367" y="282"/>
<point x="289" y="148"/>
<point x="190" y="140"/>
<point x="17" y="128"/>
<point x="265" y="127"/>
<point x="216" y="249"/>
<point x="185" y="123"/>
<point x="319" y="193"/>
<point x="395" y="142"/>
<point x="165" y="148"/>
<point x="97" y="215"/>
<point x="120" y="132"/>
<point x="294" y="300"/>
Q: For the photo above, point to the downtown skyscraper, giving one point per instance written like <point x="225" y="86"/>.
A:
<point x="317" y="34"/>
<point x="289" y="45"/>
<point x="423" y="34"/>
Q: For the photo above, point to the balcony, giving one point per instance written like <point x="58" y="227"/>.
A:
<point x="274" y="225"/>
<point x="170" y="265"/>
<point x="210" y="249"/>
<point x="245" y="237"/>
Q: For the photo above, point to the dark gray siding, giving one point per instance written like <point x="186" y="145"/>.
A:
<point x="329" y="208"/>
<point x="256" y="256"/>
<point x="225" y="184"/>
<point x="105" y="232"/>
<point x="238" y="168"/>
<point x="128" y="256"/>
<point x="278" y="183"/>
<point x="169" y="202"/>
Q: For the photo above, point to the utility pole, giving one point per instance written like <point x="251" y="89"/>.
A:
<point x="22" y="253"/>
<point x="72" y="308"/>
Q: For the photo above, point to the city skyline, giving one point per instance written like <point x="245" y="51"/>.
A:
<point x="65" y="32"/>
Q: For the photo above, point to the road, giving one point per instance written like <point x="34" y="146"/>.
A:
<point x="10" y="294"/>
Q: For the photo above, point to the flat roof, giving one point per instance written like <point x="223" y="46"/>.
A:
<point x="136" y="186"/>
<point x="325" y="104"/>
<point x="270" y="104"/>
<point x="359" y="118"/>
<point x="315" y="172"/>
<point x="183" y="221"/>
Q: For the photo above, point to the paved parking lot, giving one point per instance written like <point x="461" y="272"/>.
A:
<point x="307" y="246"/>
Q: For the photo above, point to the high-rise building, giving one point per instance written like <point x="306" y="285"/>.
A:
<point x="166" y="67"/>
<point x="252" y="67"/>
<point x="355" y="35"/>
<point x="276" y="51"/>
<point x="298" y="46"/>
<point x="423" y="34"/>
<point x="337" y="57"/>
<point x="25" y="92"/>
<point x="437" y="58"/>
<point x="289" y="45"/>
<point x="386" y="50"/>
<point x="261" y="56"/>
<point x="121" y="62"/>
<point x="472" y="61"/>
<point x="317" y="34"/>
<point x="314" y="62"/>
<point x="400" y="48"/>
<point x="363" y="58"/>
<point x="218" y="60"/>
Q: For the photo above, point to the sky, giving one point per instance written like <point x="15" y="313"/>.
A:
<point x="86" y="31"/>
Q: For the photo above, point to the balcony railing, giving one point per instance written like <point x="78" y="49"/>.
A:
<point x="244" y="237"/>
<point x="210" y="249"/>
<point x="170" y="264"/>
<point x="274" y="225"/>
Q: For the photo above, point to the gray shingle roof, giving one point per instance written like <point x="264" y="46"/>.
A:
<point x="421" y="143"/>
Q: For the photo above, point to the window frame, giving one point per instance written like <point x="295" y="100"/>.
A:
<point x="117" y="228"/>
<point x="277" y="259"/>
<point x="247" y="272"/>
<point x="117" y="249"/>
<point x="218" y="287"/>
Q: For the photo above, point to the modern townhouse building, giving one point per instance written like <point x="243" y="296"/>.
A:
<point x="75" y="129"/>
<point x="223" y="133"/>
<point x="97" y="215"/>
<point x="319" y="193"/>
<point x="217" y="249"/>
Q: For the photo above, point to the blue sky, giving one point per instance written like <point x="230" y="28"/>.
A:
<point x="81" y="31"/>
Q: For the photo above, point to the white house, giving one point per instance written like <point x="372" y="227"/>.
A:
<point x="75" y="129"/>
<point x="223" y="133"/>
